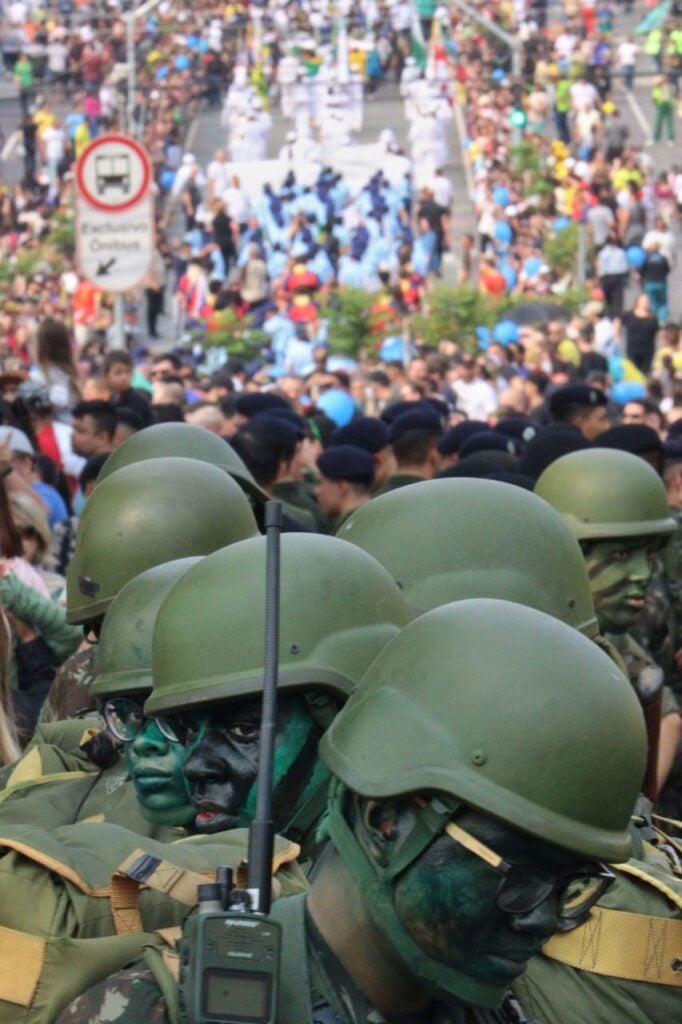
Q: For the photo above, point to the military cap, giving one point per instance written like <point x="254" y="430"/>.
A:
<point x="439" y="406"/>
<point x="575" y="395"/>
<point x="672" y="450"/>
<point x="489" y="441"/>
<point x="635" y="438"/>
<point x="252" y="403"/>
<point x="347" y="462"/>
<point x="453" y="439"/>
<point x="366" y="432"/>
<point x="396" y="409"/>
<point x="520" y="427"/>
<point x="551" y="443"/>
<point x="287" y="414"/>
<point x="419" y="420"/>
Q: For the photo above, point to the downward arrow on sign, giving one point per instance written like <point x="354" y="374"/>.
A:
<point x="104" y="268"/>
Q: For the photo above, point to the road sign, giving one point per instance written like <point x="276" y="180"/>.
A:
<point x="114" y="213"/>
<point x="113" y="174"/>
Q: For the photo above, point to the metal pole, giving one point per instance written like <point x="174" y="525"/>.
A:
<point x="132" y="77"/>
<point x="516" y="132"/>
<point x="119" y="333"/>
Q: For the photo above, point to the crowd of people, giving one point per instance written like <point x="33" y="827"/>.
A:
<point x="478" y="746"/>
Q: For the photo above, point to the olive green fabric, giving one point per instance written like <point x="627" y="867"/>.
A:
<point x="643" y="672"/>
<point x="124" y="663"/>
<point x="304" y="506"/>
<point x="561" y="994"/>
<point x="147" y="514"/>
<point x="185" y="441"/>
<point x="603" y="493"/>
<point x="57" y="747"/>
<point x="399" y="480"/>
<point x="491" y="702"/>
<point x="338" y="608"/>
<point x="69" y="696"/>
<point x="78" y="880"/>
<point x="449" y="540"/>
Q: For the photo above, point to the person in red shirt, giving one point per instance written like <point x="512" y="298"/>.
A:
<point x="490" y="279"/>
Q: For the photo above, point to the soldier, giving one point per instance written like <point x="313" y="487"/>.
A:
<point x="345" y="483"/>
<point x="580" y="406"/>
<point x="339" y="607"/>
<point x="414" y="436"/>
<point x="460" y="841"/>
<point x="616" y="506"/>
<point x="144" y="790"/>
<point x="143" y="515"/>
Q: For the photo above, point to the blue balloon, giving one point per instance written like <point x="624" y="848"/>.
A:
<point x="635" y="255"/>
<point x="532" y="266"/>
<point x="560" y="223"/>
<point x="509" y="274"/>
<point x="392" y="350"/>
<point x="628" y="391"/>
<point x="182" y="62"/>
<point x="337" y="405"/>
<point x="505" y="332"/>
<point x="167" y="179"/>
<point x="483" y="336"/>
<point x="497" y="75"/>
<point x="501" y="196"/>
<point x="502" y="232"/>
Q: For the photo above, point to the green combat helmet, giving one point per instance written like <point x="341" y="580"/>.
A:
<point x="449" y="540"/>
<point x="145" y="515"/>
<point x="563" y="762"/>
<point x="603" y="493"/>
<point x="338" y="609"/>
<point x="185" y="441"/>
<point x="124" y="680"/>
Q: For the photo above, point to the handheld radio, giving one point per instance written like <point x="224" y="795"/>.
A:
<point x="230" y="950"/>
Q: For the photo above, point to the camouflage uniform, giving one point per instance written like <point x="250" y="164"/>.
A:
<point x="69" y="695"/>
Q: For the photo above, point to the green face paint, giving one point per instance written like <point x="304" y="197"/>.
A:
<point x="619" y="572"/>
<point x="155" y="766"/>
<point x="447" y="902"/>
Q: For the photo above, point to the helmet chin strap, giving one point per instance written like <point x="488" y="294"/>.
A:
<point x="376" y="881"/>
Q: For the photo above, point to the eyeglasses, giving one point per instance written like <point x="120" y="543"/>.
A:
<point x="124" y="717"/>
<point x="180" y="728"/>
<point x="523" y="888"/>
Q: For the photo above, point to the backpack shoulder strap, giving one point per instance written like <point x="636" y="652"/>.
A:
<point x="293" y="1004"/>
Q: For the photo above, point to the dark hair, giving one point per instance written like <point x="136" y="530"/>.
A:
<point x="166" y="412"/>
<point x="172" y="357"/>
<point x="51" y="474"/>
<point x="10" y="538"/>
<point x="263" y="447"/>
<point x="540" y="379"/>
<point x="413" y="447"/>
<point x="117" y="358"/>
<point x="54" y="349"/>
<point x="102" y="413"/>
<point x="92" y="469"/>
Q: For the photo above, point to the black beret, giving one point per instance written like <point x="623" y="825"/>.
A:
<point x="276" y="426"/>
<point x="439" y="406"/>
<point x="575" y="395"/>
<point x="391" y="412"/>
<point x="253" y="402"/>
<point x="347" y="462"/>
<point x="453" y="439"/>
<point x="366" y="432"/>
<point x="675" y="429"/>
<point x="550" y="444"/>
<point x="672" y="450"/>
<point x="631" y="437"/>
<point x="488" y="441"/>
<point x="520" y="427"/>
<point x="282" y="412"/>
<point x="420" y="420"/>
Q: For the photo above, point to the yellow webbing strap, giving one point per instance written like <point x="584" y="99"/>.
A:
<point x="633" y="947"/>
<point x="178" y="883"/>
<point x="22" y="957"/>
<point x="124" y="910"/>
<point x="30" y="766"/>
<point x="169" y="935"/>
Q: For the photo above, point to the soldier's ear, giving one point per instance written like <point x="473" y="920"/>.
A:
<point x="385" y="824"/>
